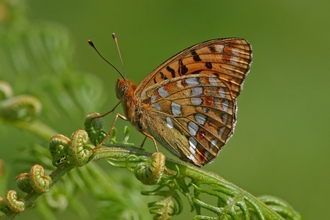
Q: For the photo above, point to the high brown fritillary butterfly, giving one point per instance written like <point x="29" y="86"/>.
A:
<point x="188" y="103"/>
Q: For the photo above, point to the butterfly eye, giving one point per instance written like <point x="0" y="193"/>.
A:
<point x="122" y="87"/>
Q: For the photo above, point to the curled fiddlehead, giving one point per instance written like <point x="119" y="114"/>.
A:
<point x="79" y="150"/>
<point x="23" y="107"/>
<point x="93" y="125"/>
<point x="58" y="147"/>
<point x="39" y="180"/>
<point x="163" y="209"/>
<point x="23" y="182"/>
<point x="151" y="171"/>
<point x="14" y="203"/>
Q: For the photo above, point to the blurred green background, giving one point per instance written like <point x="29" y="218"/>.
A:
<point x="281" y="144"/>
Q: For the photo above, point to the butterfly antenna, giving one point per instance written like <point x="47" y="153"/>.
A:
<point x="118" y="49"/>
<point x="92" y="45"/>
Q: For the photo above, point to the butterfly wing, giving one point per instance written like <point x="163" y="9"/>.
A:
<point x="189" y="102"/>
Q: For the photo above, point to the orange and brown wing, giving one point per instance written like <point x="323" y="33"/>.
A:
<point x="189" y="101"/>
<point x="228" y="58"/>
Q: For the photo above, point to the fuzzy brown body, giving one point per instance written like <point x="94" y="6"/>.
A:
<point x="132" y="107"/>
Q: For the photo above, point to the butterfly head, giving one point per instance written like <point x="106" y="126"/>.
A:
<point x="123" y="87"/>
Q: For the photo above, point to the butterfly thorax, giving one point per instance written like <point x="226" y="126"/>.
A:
<point x="132" y="107"/>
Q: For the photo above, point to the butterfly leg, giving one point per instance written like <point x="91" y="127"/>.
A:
<point x="101" y="116"/>
<point x="152" y="138"/>
<point x="144" y="140"/>
<point x="113" y="124"/>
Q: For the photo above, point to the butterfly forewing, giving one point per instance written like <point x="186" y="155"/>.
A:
<point x="189" y="102"/>
<point x="229" y="58"/>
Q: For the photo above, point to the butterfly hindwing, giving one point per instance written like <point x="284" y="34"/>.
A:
<point x="193" y="115"/>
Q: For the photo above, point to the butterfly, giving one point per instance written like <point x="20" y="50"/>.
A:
<point x="188" y="103"/>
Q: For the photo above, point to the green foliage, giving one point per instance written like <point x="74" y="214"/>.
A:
<point x="43" y="51"/>
<point x="173" y="178"/>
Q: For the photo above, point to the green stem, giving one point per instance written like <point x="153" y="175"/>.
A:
<point x="188" y="170"/>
